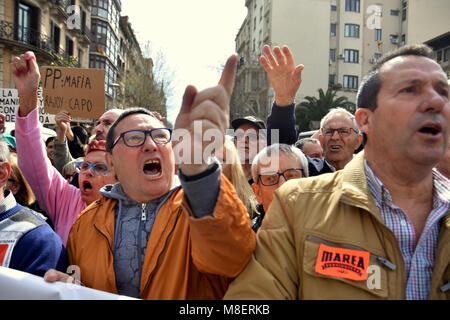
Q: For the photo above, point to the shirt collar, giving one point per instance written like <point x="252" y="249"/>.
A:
<point x="441" y="187"/>
<point x="8" y="202"/>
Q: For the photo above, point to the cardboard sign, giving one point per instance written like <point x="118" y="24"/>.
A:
<point x="342" y="263"/>
<point x="79" y="91"/>
<point x="9" y="102"/>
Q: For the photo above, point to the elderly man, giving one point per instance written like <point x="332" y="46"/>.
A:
<point x="62" y="201"/>
<point x="148" y="237"/>
<point x="271" y="168"/>
<point x="27" y="243"/>
<point x="310" y="147"/>
<point x="340" y="138"/>
<point x="379" y="228"/>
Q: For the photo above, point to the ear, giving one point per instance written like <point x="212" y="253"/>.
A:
<point x="257" y="191"/>
<point x="5" y="172"/>
<point x="320" y="139"/>
<point x="363" y="119"/>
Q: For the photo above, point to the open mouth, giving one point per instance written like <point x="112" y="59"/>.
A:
<point x="431" y="129"/>
<point x="335" y="148"/>
<point x="152" y="168"/>
<point x="87" y="186"/>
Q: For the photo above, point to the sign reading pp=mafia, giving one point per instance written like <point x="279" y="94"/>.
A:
<point x="79" y="91"/>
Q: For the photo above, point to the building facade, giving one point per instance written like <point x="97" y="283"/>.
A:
<point x="48" y="27"/>
<point x="338" y="41"/>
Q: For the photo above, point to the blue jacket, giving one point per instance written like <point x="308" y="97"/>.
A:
<point x="36" y="250"/>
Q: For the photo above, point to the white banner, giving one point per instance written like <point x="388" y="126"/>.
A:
<point x="18" y="285"/>
<point x="9" y="102"/>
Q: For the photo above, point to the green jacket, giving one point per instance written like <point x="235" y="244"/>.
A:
<point x="334" y="210"/>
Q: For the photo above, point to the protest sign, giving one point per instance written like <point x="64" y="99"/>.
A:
<point x="9" y="102"/>
<point x="79" y="91"/>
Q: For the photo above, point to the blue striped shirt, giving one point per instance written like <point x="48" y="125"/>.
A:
<point x="419" y="260"/>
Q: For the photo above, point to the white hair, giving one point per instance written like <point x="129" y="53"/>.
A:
<point x="276" y="149"/>
<point x="336" y="112"/>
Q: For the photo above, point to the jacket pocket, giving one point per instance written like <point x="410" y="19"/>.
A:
<point x="335" y="286"/>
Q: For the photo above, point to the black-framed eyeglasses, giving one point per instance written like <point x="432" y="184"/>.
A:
<point x="272" y="178"/>
<point x="136" y="138"/>
<point x="98" y="168"/>
<point x="343" y="132"/>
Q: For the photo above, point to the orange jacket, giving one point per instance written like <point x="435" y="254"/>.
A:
<point x="186" y="257"/>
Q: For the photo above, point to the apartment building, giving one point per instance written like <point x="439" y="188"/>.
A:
<point x="338" y="41"/>
<point x="46" y="27"/>
<point x="103" y="53"/>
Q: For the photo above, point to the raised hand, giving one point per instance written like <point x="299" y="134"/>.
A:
<point x="284" y="76"/>
<point x="62" y="120"/>
<point x="209" y="110"/>
<point x="26" y="76"/>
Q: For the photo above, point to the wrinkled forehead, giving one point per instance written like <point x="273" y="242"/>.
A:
<point x="278" y="162"/>
<point x="338" y="121"/>
<point x="109" y="116"/>
<point x="138" y="121"/>
<point x="407" y="67"/>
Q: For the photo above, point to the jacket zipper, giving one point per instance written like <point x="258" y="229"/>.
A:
<point x="159" y="256"/>
<point x="143" y="213"/>
<point x="106" y="238"/>
<point x="384" y="261"/>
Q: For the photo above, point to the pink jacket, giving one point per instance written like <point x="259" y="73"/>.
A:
<point x="61" y="200"/>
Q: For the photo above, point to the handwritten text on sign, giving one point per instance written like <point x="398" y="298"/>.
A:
<point x="79" y="91"/>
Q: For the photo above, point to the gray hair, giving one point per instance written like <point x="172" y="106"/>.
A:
<point x="301" y="143"/>
<point x="276" y="149"/>
<point x="4" y="152"/>
<point x="335" y="112"/>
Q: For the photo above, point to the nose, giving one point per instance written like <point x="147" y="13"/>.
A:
<point x="149" y="144"/>
<point x="335" y="135"/>
<point x="434" y="101"/>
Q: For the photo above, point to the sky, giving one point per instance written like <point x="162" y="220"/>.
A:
<point x="195" y="37"/>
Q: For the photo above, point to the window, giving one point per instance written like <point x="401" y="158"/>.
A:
<point x="260" y="13"/>
<point x="377" y="56"/>
<point x="350" y="82"/>
<point x="377" y="34"/>
<point x="395" y="12"/>
<point x="351" y="56"/>
<point x="439" y="56"/>
<point x="254" y="23"/>
<point x="446" y="54"/>
<point x="333" y="8"/>
<point x="100" y="8"/>
<point x="404" y="7"/>
<point x="403" y="39"/>
<point x="255" y="81"/>
<point x="69" y="46"/>
<point x="55" y="35"/>
<point x="352" y="30"/>
<point x="333" y="29"/>
<point x="352" y="5"/>
<point x="331" y="80"/>
<point x="332" y="55"/>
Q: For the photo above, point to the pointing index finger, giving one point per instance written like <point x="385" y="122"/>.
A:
<point x="228" y="74"/>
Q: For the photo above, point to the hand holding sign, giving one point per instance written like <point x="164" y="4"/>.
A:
<point x="26" y="77"/>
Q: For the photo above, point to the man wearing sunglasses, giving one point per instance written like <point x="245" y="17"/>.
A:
<point x="61" y="200"/>
<point x="271" y="168"/>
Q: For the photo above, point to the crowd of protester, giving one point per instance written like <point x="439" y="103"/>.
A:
<point x="266" y="216"/>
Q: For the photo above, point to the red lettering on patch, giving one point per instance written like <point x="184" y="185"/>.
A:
<point x="3" y="249"/>
<point x="342" y="263"/>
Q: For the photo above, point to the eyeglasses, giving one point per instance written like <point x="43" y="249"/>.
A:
<point x="99" y="168"/>
<point x="136" y="138"/>
<point x="272" y="178"/>
<point x="343" y="132"/>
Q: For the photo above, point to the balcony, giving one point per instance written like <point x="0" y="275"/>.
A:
<point x="28" y="39"/>
<point x="59" y="8"/>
